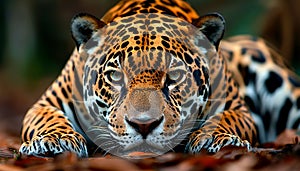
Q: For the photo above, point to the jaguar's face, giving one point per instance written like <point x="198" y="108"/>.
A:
<point x="145" y="83"/>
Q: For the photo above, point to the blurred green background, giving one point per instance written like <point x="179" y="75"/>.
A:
<point x="35" y="41"/>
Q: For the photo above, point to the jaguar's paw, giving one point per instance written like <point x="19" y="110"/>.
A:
<point x="49" y="145"/>
<point x="212" y="143"/>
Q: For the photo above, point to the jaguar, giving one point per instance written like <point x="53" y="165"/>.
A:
<point x="154" y="76"/>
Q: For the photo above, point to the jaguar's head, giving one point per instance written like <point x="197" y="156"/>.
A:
<point x="146" y="77"/>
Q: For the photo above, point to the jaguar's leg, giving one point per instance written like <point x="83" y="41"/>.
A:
<point x="46" y="132"/>
<point x="232" y="127"/>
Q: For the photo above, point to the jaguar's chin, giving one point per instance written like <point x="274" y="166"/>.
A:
<point x="142" y="150"/>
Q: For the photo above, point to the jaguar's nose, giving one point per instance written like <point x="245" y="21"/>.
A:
<point x="144" y="127"/>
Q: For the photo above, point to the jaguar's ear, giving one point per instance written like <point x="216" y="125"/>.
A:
<point x="212" y="26"/>
<point x="83" y="26"/>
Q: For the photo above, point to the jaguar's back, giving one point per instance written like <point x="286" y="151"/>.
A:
<point x="147" y="77"/>
<point x="270" y="88"/>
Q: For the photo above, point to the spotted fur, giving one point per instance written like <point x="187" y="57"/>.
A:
<point x="152" y="76"/>
<point x="270" y="88"/>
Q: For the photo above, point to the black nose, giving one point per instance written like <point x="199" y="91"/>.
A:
<point x="144" y="127"/>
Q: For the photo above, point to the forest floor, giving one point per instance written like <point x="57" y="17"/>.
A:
<point x="283" y="154"/>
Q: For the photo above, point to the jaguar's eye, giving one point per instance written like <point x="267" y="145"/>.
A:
<point x="175" y="76"/>
<point x="116" y="77"/>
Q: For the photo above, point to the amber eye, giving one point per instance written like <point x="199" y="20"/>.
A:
<point x="116" y="77"/>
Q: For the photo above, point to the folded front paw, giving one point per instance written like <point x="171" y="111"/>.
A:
<point x="214" y="142"/>
<point x="53" y="144"/>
